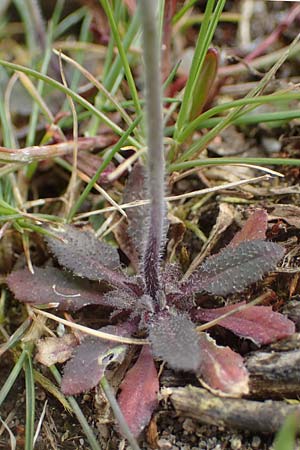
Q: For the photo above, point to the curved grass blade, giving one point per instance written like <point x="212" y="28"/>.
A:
<point x="118" y="414"/>
<point x="30" y="400"/>
<point x="79" y="414"/>
<point x="12" y="376"/>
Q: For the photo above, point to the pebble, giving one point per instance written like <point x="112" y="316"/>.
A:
<point x="164" y="444"/>
<point x="271" y="145"/>
<point x="236" y="443"/>
<point x="256" y="441"/>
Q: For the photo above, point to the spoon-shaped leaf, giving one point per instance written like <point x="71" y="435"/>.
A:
<point x="174" y="340"/>
<point x="235" y="268"/>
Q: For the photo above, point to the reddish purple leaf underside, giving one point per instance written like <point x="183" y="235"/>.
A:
<point x="258" y="323"/>
<point x="138" y="216"/>
<point x="138" y="397"/>
<point x="221" y="369"/>
<point x="254" y="228"/>
<point x="54" y="286"/>
<point x="90" y="359"/>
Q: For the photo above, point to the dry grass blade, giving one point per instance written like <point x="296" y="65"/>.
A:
<point x="172" y="198"/>
<point x="71" y="189"/>
<point x="90" y="331"/>
<point x="96" y="83"/>
<point x="38" y="153"/>
<point x="214" y="322"/>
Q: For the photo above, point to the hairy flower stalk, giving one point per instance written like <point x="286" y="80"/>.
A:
<point x="156" y="163"/>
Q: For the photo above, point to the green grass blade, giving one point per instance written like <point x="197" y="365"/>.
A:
<point x="208" y="26"/>
<point x="30" y="138"/>
<point x="77" y="98"/>
<point x="131" y="84"/>
<point x="226" y="161"/>
<point x="58" y="8"/>
<point x="183" y="10"/>
<point x="237" y="112"/>
<point x="252" y="119"/>
<point x="114" y="75"/>
<point x="28" y="23"/>
<point x="104" y="164"/>
<point x="79" y="414"/>
<point x="72" y="19"/>
<point x="30" y="400"/>
<point x="286" y="436"/>
<point x="83" y="37"/>
<point x="12" y="377"/>
<point x="118" y="414"/>
<point x="15" y="337"/>
<point x="201" y="121"/>
<point x="6" y="125"/>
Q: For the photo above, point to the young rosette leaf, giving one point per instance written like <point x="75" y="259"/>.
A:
<point x="138" y="397"/>
<point x="222" y="370"/>
<point x="138" y="216"/>
<point x="235" y="268"/>
<point x="258" y="323"/>
<point x="84" y="255"/>
<point x="90" y="359"/>
<point x="54" y="287"/>
<point x="174" y="339"/>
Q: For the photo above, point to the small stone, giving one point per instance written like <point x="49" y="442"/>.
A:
<point x="271" y="145"/>
<point x="236" y="443"/>
<point x="256" y="441"/>
<point x="164" y="444"/>
<point x="189" y="426"/>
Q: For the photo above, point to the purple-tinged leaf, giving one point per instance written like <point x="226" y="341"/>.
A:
<point x="52" y="350"/>
<point x="258" y="323"/>
<point x="55" y="287"/>
<point x="135" y="190"/>
<point x="124" y="301"/>
<point x="174" y="340"/>
<point x="120" y="299"/>
<point x="235" y="268"/>
<point x="170" y="279"/>
<point x="90" y="359"/>
<point x="222" y="370"/>
<point x="126" y="244"/>
<point x="86" y="256"/>
<point x="138" y="397"/>
<point x="254" y="228"/>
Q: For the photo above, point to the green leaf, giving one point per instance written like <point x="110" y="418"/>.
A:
<point x="286" y="436"/>
<point x="204" y="83"/>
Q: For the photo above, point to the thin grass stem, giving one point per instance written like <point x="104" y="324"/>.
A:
<point x="109" y="12"/>
<point x="30" y="399"/>
<point x="118" y="414"/>
<point x="12" y="377"/>
<point x="79" y="414"/>
<point x="77" y="98"/>
<point x="225" y="161"/>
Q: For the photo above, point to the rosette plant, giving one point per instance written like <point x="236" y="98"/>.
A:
<point x="157" y="303"/>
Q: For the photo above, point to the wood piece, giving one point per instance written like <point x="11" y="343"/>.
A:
<point x="260" y="417"/>
<point x="275" y="372"/>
